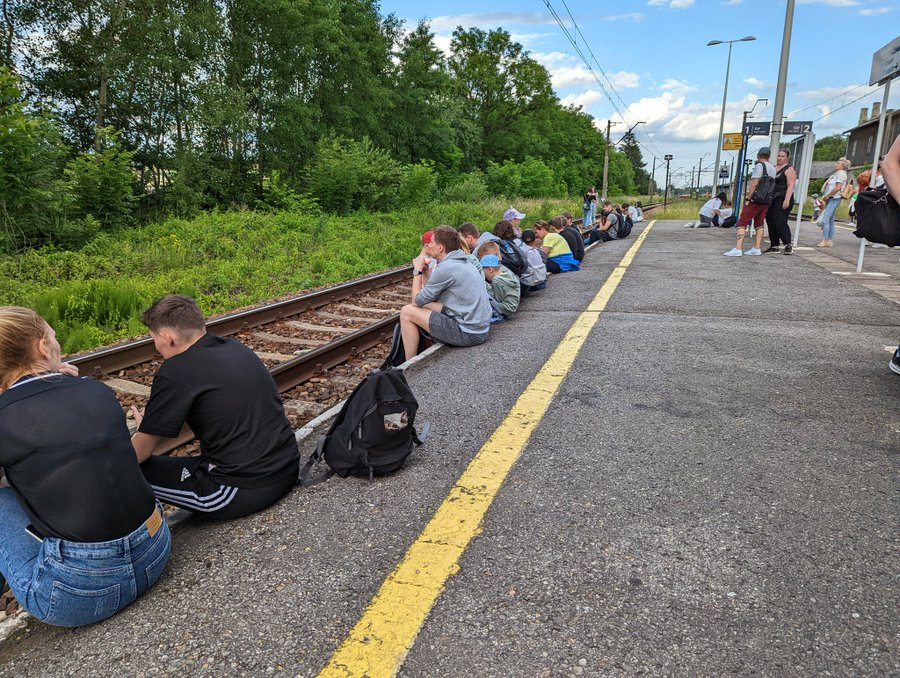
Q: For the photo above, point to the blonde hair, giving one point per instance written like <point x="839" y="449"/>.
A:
<point x="20" y="331"/>
<point x="845" y="164"/>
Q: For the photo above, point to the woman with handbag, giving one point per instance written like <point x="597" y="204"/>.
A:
<point x="81" y="534"/>
<point x="890" y="170"/>
<point x="831" y="196"/>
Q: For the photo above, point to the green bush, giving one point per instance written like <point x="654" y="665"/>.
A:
<point x="348" y="175"/>
<point x="470" y="186"/>
<point x="418" y="184"/>
<point x="102" y="182"/>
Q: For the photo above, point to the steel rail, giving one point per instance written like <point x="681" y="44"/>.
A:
<point x="106" y="360"/>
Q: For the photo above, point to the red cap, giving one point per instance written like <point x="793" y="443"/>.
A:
<point x="426" y="237"/>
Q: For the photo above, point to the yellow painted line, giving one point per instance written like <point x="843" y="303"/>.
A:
<point x="377" y="645"/>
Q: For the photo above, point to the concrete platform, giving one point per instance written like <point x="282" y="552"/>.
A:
<point x="712" y="491"/>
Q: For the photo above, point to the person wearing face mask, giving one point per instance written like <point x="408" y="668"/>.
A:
<point x="81" y="535"/>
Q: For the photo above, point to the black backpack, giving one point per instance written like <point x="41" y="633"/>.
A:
<point x="374" y="432"/>
<point x="765" y="189"/>
<point x="729" y="222"/>
<point x="625" y="226"/>
<point x="397" y="355"/>
<point x="512" y="258"/>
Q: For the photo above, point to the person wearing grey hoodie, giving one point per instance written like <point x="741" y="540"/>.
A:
<point x="450" y="302"/>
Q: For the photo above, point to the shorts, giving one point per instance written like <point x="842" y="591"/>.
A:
<point x="185" y="482"/>
<point x="447" y="331"/>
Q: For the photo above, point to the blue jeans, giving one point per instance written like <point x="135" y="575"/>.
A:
<point x="827" y="217"/>
<point x="67" y="583"/>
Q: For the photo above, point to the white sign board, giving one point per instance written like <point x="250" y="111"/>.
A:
<point x="886" y="62"/>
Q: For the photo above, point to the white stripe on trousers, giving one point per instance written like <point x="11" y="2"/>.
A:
<point x="191" y="500"/>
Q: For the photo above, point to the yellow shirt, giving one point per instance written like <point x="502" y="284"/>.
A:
<point x="557" y="245"/>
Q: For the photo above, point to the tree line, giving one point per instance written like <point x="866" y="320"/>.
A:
<point x="116" y="111"/>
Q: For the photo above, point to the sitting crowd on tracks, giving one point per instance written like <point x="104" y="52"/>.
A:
<point x="82" y="529"/>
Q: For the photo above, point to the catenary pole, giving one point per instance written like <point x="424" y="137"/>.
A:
<point x="778" y="112"/>
<point x="609" y="124"/>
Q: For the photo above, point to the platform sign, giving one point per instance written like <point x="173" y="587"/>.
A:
<point x="797" y="127"/>
<point x="732" y="141"/>
<point x="757" y="129"/>
<point x="723" y="173"/>
<point x="886" y="62"/>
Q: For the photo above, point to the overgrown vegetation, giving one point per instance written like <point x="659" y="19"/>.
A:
<point x="226" y="260"/>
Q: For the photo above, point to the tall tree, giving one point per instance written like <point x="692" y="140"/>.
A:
<point x="632" y="151"/>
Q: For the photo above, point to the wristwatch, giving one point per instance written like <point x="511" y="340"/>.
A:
<point x="416" y="272"/>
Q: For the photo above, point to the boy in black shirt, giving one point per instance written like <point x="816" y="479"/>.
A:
<point x="219" y="389"/>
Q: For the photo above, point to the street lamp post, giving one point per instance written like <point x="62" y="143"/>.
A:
<point x="747" y="38"/>
<point x="668" y="159"/>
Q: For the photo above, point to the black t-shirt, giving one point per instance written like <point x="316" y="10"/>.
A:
<point x="67" y="453"/>
<point x="576" y="242"/>
<point x="222" y="390"/>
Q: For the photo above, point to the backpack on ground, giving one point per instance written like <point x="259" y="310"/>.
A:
<point x="765" y="188"/>
<point x="374" y="432"/>
<point x="625" y="226"/>
<point x="512" y="258"/>
<point x="729" y="222"/>
<point x="397" y="355"/>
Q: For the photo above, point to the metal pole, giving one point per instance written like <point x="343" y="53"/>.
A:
<point x="652" y="180"/>
<point x="809" y="142"/>
<point x="738" y="203"/>
<point x="666" y="192"/>
<point x="609" y="123"/>
<point x="722" y="117"/>
<point x="879" y="138"/>
<point x="699" y="169"/>
<point x="778" y="113"/>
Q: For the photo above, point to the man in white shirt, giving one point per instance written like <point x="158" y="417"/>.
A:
<point x="764" y="177"/>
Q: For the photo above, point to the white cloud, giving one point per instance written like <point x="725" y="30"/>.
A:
<point x="833" y="3"/>
<point x="836" y="92"/>
<point x="583" y="99"/>
<point x="654" y="109"/>
<point x="569" y="76"/>
<point x="673" y="4"/>
<point x="875" y="11"/>
<point x="449" y="22"/>
<point x="731" y="2"/>
<point x="631" y="16"/>
<point x="756" y="82"/>
<point x="700" y="122"/>
<point x="624" y="80"/>
<point x="677" y="86"/>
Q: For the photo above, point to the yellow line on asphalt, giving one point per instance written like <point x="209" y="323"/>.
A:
<point x="377" y="645"/>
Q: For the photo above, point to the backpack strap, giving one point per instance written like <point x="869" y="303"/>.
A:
<point x="304" y="479"/>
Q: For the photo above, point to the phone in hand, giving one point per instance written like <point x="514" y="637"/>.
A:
<point x="33" y="532"/>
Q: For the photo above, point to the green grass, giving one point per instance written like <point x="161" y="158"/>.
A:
<point x="225" y="260"/>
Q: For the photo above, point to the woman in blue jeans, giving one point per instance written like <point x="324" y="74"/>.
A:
<point x="831" y="196"/>
<point x="81" y="534"/>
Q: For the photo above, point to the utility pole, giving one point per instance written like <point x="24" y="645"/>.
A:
<point x="609" y="124"/>
<point x="691" y="192"/>
<point x="699" y="169"/>
<point x="652" y="180"/>
<point x="668" y="159"/>
<point x="778" y="113"/>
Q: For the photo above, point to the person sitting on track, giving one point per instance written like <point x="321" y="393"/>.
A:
<point x="559" y="254"/>
<point x="608" y="229"/>
<point x="469" y="233"/>
<point x="514" y="217"/>
<point x="81" y="535"/>
<point x="220" y="390"/>
<point x="639" y="208"/>
<point x="452" y="306"/>
<point x="502" y="285"/>
<point x="537" y="260"/>
<point x="575" y="239"/>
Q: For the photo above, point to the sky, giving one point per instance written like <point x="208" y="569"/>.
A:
<point x="653" y="65"/>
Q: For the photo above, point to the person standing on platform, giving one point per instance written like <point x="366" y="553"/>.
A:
<point x="782" y="204"/>
<point x="754" y="211"/>
<point x="831" y="196"/>
<point x="890" y="170"/>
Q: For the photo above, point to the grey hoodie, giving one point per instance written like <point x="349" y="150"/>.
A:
<point x="459" y="286"/>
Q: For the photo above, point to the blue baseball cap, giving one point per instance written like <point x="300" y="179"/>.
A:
<point x="490" y="261"/>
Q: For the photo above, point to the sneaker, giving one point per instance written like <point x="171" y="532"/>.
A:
<point x="895" y="361"/>
<point x="753" y="252"/>
<point x="689" y="224"/>
<point x="734" y="252"/>
<point x="773" y="248"/>
<point x="879" y="245"/>
<point x="788" y="249"/>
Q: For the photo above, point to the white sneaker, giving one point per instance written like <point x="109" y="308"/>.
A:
<point x="689" y="224"/>
<point x="879" y="245"/>
<point x="735" y="252"/>
<point x="753" y="252"/>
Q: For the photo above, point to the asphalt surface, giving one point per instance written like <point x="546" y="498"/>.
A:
<point x="713" y="491"/>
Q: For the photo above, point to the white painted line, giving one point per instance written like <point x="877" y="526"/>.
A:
<point x="870" y="274"/>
